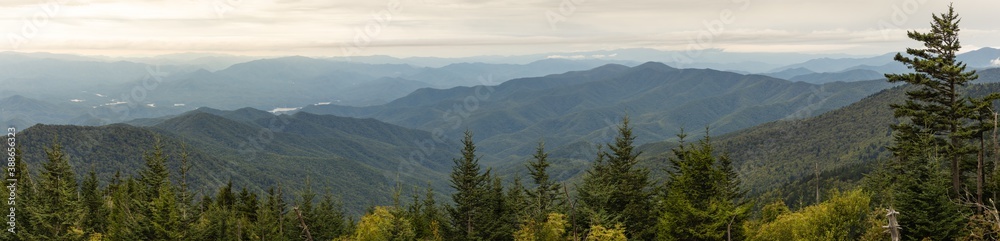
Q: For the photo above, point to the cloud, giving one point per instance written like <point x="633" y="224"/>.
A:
<point x="461" y="27"/>
<point x="995" y="62"/>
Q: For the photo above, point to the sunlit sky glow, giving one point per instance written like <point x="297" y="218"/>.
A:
<point x="454" y="28"/>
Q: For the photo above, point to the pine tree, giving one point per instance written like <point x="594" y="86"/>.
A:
<point x="158" y="198"/>
<point x="498" y="220"/>
<point x="924" y="207"/>
<point x="246" y="214"/>
<point x="330" y="218"/>
<point x="922" y="200"/>
<point x="294" y="227"/>
<point x="154" y="175"/>
<point x="270" y="216"/>
<point x="547" y="196"/>
<point x="619" y="189"/>
<point x="185" y="198"/>
<point x="517" y="201"/>
<point x="126" y="220"/>
<point x="25" y="194"/>
<point x="470" y="193"/>
<point x="218" y="222"/>
<point x="95" y="214"/>
<point x="937" y="106"/>
<point x="55" y="210"/>
<point x="164" y="216"/>
<point x="432" y="216"/>
<point x="703" y="200"/>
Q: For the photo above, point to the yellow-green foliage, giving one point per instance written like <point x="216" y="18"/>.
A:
<point x="381" y="225"/>
<point x="843" y="217"/>
<point x="599" y="233"/>
<point x="554" y="229"/>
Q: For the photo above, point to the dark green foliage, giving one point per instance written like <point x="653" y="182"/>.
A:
<point x="271" y="216"/>
<point x="426" y="215"/>
<point x="703" y="193"/>
<point x="498" y="218"/>
<point x="470" y="196"/>
<point x="547" y="195"/>
<point x="154" y="174"/>
<point x="615" y="190"/>
<point x="937" y="107"/>
<point x="127" y="220"/>
<point x="95" y="214"/>
<point x="55" y="208"/>
<point x="256" y="149"/>
<point x="926" y="209"/>
<point x="330" y="219"/>
<point x="26" y="193"/>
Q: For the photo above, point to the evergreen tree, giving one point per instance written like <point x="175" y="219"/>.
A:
<point x="158" y="198"/>
<point x="25" y="194"/>
<point x="616" y="187"/>
<point x="432" y="216"/>
<point x="246" y="214"/>
<point x="126" y="221"/>
<point x="498" y="220"/>
<point x="703" y="200"/>
<point x="154" y="175"/>
<point x="330" y="219"/>
<point x="95" y="214"/>
<point x="164" y="216"/>
<point x="218" y="222"/>
<point x="225" y="197"/>
<point x="271" y="215"/>
<point x="937" y="106"/>
<point x="55" y="208"/>
<point x="470" y="194"/>
<point x="293" y="227"/>
<point x="546" y="197"/>
<point x="516" y="201"/>
<point x="184" y="197"/>
<point x="922" y="200"/>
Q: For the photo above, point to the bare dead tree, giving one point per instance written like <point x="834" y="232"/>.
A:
<point x="893" y="227"/>
<point x="305" y="229"/>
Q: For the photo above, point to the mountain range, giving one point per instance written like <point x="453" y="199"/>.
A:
<point x="573" y="111"/>
<point x="360" y="159"/>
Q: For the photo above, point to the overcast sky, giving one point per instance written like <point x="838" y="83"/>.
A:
<point x="452" y="28"/>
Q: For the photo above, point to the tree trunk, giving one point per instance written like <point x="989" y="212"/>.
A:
<point x="979" y="173"/>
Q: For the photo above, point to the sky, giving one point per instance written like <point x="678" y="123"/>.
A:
<point x="459" y="28"/>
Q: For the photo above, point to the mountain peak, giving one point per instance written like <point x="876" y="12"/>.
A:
<point x="206" y="110"/>
<point x="654" y="65"/>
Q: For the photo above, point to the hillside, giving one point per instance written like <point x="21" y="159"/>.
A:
<point x="576" y="109"/>
<point x="359" y="159"/>
<point x="844" y="143"/>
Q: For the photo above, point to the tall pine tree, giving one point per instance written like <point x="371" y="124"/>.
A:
<point x="25" y="194"/>
<point x="547" y="196"/>
<point x="616" y="189"/>
<point x="55" y="208"/>
<point x="95" y="214"/>
<point x="936" y="106"/>
<point x="703" y="200"/>
<point x="471" y="187"/>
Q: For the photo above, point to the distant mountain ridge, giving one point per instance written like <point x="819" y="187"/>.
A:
<point x="572" y="109"/>
<point x="979" y="58"/>
<point x="360" y="158"/>
<point x="845" y="76"/>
